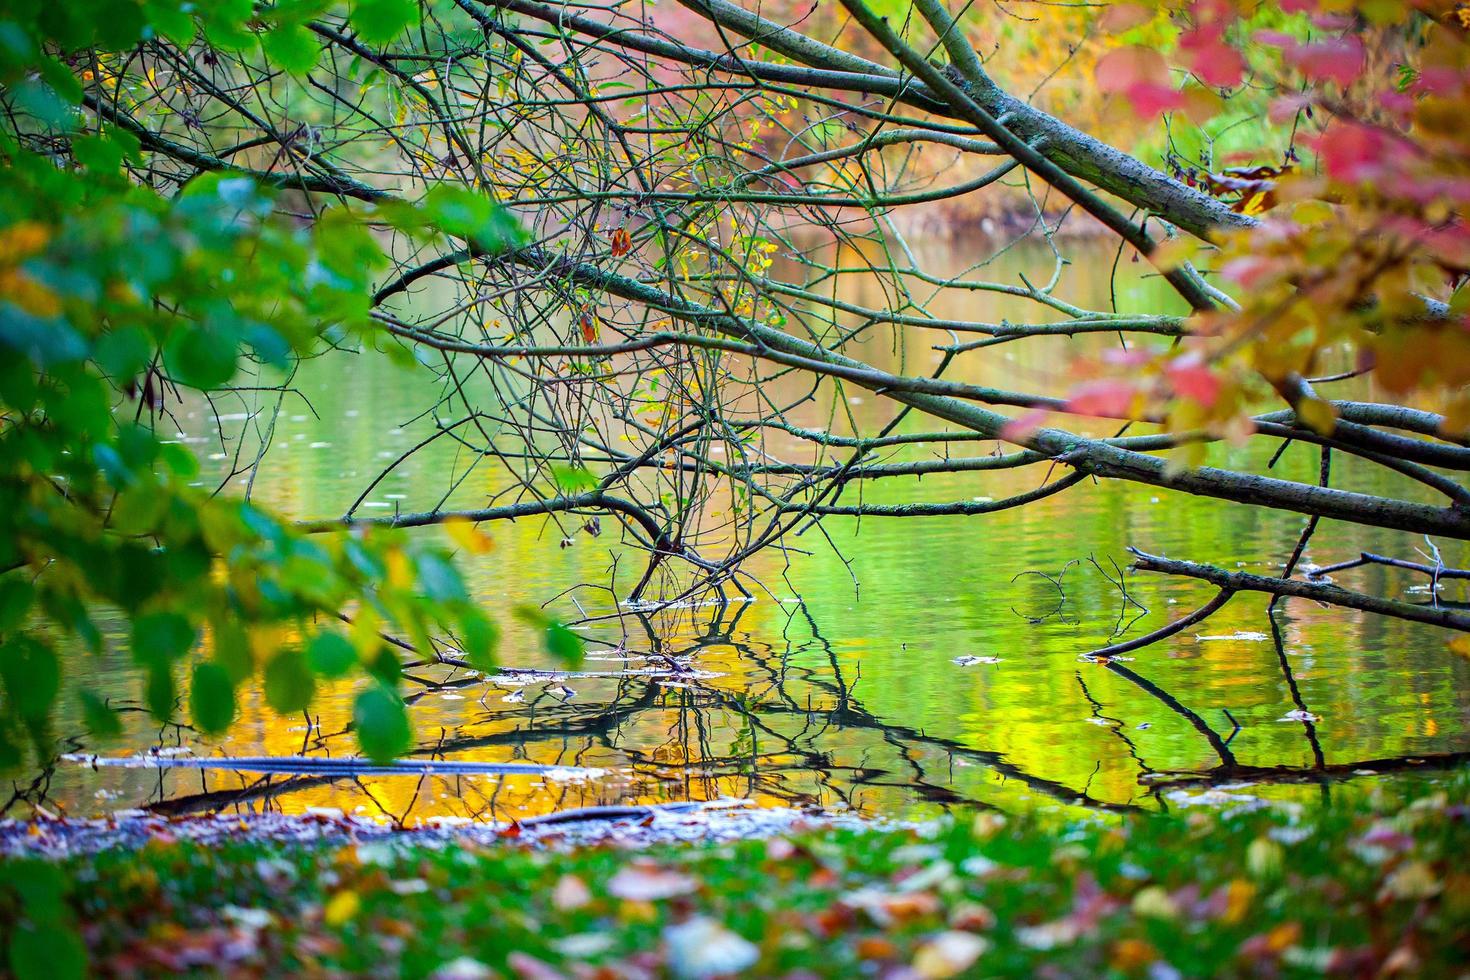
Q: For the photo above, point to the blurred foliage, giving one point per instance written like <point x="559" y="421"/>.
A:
<point x="113" y="300"/>
<point x="1345" y="144"/>
<point x="1227" y="885"/>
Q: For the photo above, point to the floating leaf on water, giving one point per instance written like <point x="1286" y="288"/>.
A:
<point x="1299" y="714"/>
<point x="969" y="661"/>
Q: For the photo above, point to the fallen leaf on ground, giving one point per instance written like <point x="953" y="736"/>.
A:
<point x="570" y="893"/>
<point x="949" y="953"/>
<point x="648" y="883"/>
<point x="702" y="947"/>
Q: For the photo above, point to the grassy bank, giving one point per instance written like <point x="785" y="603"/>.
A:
<point x="1380" y="883"/>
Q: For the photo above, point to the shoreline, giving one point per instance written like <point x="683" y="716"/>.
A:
<point x="1359" y="886"/>
<point x="631" y="827"/>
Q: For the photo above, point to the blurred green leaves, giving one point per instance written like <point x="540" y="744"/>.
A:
<point x="382" y="724"/>
<point x="211" y="698"/>
<point x="556" y="637"/>
<point x="380" y="21"/>
<point x="289" y="685"/>
<point x="120" y="293"/>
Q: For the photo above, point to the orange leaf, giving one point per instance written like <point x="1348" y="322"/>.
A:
<point x="1120" y="17"/>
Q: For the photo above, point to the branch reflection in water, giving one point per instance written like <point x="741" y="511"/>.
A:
<point x="659" y="721"/>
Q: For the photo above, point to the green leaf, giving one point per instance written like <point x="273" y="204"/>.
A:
<point x="49" y="951"/>
<point x="97" y="153"/>
<point x="292" y="48"/>
<point x="289" y="685"/>
<point x="380" y="21"/>
<point x="173" y="19"/>
<point x="159" y="691"/>
<point x="563" y="644"/>
<point x="200" y="357"/>
<point x="161" y="637"/>
<point x="331" y="654"/>
<point x="480" y="636"/>
<point x="211" y="698"/>
<point x="232" y="649"/>
<point x="438" y="578"/>
<point x="385" y="665"/>
<point x="573" y="479"/>
<point x="16" y="595"/>
<point x="100" y="720"/>
<point x="382" y="724"/>
<point x="123" y="353"/>
<point x="32" y="675"/>
<point x="468" y="214"/>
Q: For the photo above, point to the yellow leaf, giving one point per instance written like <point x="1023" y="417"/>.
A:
<point x="1238" y="896"/>
<point x="949" y="954"/>
<point x="1155" y="902"/>
<point x="1317" y="415"/>
<point x="1309" y="213"/>
<point x="1132" y="955"/>
<point x="341" y="908"/>
<point x="463" y="532"/>
<point x="400" y="569"/>
<point x="1201" y="104"/>
<point x="1175" y="252"/>
<point x="22" y="240"/>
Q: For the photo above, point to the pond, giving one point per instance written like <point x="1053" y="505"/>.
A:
<point x="844" y="681"/>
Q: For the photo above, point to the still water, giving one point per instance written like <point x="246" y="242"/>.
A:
<point x="837" y="684"/>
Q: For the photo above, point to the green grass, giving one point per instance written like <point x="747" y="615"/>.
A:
<point x="1380" y="881"/>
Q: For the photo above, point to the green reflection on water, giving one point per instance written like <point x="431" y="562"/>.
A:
<point x="837" y="684"/>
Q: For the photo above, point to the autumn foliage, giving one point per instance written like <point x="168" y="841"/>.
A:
<point x="1360" y="251"/>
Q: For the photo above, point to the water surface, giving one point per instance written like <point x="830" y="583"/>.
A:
<point x="836" y="685"/>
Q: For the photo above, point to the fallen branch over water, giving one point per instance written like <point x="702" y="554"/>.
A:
<point x="320" y="766"/>
<point x="1320" y="592"/>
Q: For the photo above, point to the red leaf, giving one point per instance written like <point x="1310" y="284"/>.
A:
<point x="1141" y="75"/>
<point x="1285" y="107"/>
<point x="1353" y="153"/>
<point x="1023" y="426"/>
<point x="1209" y="57"/>
<point x="1192" y="380"/>
<point x="1337" y="60"/>
<point x="1153" y="100"/>
<point x="1249" y="271"/>
<point x="1127" y="68"/>
<point x="1109" y="399"/>
<point x="1120" y="17"/>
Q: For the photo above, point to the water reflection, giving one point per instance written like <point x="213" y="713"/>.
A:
<point x="894" y="666"/>
<point x="718" y="713"/>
